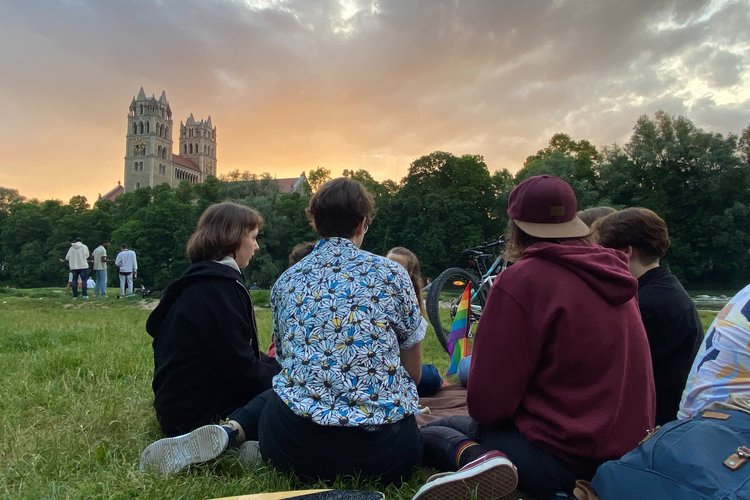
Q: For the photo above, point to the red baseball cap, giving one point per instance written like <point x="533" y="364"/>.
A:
<point x="545" y="206"/>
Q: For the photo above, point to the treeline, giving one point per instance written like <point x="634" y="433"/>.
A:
<point x="698" y="181"/>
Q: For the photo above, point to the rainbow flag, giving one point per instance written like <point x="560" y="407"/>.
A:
<point x="458" y="340"/>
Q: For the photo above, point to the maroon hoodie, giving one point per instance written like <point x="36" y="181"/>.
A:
<point x="561" y="353"/>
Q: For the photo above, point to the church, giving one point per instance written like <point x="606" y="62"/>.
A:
<point x="149" y="158"/>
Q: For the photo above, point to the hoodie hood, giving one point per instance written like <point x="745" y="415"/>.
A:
<point x="605" y="270"/>
<point x="76" y="245"/>
<point x="199" y="271"/>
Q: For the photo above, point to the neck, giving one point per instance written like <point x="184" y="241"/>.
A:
<point x="639" y="269"/>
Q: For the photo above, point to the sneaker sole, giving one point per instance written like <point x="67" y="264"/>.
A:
<point x="171" y="455"/>
<point x="489" y="481"/>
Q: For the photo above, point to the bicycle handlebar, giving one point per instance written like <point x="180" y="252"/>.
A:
<point x="486" y="246"/>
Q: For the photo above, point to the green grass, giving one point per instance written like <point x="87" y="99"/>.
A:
<point x="75" y="405"/>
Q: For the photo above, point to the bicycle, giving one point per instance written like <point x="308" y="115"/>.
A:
<point x="445" y="292"/>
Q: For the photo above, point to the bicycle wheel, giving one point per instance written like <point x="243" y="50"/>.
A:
<point x="443" y="298"/>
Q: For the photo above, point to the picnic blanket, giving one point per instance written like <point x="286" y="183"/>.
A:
<point x="450" y="400"/>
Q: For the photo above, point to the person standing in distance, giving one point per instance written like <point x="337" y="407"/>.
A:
<point x="77" y="256"/>
<point x="100" y="269"/>
<point x="127" y="264"/>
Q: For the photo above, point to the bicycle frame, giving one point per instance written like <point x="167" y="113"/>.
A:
<point x="486" y="274"/>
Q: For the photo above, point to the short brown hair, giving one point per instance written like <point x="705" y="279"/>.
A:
<point x="339" y="206"/>
<point x="220" y="230"/>
<point x="590" y="215"/>
<point x="638" y="227"/>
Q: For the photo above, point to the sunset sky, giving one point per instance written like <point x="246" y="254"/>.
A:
<point x="293" y="85"/>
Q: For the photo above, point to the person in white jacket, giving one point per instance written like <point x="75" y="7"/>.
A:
<point x="128" y="267"/>
<point x="77" y="256"/>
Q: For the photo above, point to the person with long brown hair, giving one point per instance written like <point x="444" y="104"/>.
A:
<point x="410" y="262"/>
<point x="560" y="377"/>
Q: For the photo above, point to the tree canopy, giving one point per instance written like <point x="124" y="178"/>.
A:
<point x="698" y="181"/>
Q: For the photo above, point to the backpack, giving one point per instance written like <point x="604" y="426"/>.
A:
<point x="703" y="457"/>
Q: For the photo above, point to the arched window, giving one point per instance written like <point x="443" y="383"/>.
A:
<point x="140" y="109"/>
<point x="140" y="127"/>
<point x="147" y="127"/>
<point x="184" y="149"/>
<point x="158" y="151"/>
<point x="166" y="131"/>
<point x="135" y="167"/>
<point x="135" y="128"/>
<point x="191" y="148"/>
<point x="164" y="153"/>
<point x="137" y="185"/>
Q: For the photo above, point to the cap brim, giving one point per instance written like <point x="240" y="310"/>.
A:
<point x="575" y="228"/>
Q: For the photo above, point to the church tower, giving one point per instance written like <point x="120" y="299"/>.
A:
<point x="148" y="143"/>
<point x="198" y="144"/>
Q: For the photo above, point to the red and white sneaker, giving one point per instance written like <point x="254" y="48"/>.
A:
<point x="489" y="477"/>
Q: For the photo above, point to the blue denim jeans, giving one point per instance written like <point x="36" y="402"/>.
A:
<point x="101" y="282"/>
<point x="84" y="275"/>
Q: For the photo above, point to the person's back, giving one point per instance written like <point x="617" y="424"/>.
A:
<point x="722" y="366"/>
<point x="561" y="352"/>
<point x="669" y="315"/>
<point x="203" y="345"/>
<point x="77" y="255"/>
<point x="674" y="332"/>
<point x="126" y="260"/>
<point x="206" y="356"/>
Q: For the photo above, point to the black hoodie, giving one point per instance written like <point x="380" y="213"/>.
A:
<point x="206" y="357"/>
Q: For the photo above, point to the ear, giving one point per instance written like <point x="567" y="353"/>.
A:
<point x="628" y="250"/>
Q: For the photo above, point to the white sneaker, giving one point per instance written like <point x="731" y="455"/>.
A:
<point x="249" y="453"/>
<point x="489" y="477"/>
<point x="170" y="455"/>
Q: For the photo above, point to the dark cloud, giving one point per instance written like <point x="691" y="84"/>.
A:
<point x="302" y="83"/>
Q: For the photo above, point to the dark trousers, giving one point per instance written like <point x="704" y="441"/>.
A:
<point x="387" y="452"/>
<point x="84" y="275"/>
<point x="539" y="473"/>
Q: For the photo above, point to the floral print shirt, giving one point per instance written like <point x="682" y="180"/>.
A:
<point x="340" y="316"/>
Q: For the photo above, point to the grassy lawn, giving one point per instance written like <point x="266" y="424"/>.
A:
<point x="75" y="405"/>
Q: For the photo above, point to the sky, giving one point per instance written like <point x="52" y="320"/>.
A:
<point x="358" y="84"/>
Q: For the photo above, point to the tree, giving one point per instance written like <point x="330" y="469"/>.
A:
<point x="317" y="177"/>
<point x="444" y="204"/>
<point x="689" y="177"/>
<point x="576" y="162"/>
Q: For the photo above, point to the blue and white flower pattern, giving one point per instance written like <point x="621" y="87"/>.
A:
<point x="340" y="316"/>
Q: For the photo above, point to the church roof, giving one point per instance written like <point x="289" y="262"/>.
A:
<point x="292" y="184"/>
<point x="113" y="193"/>
<point x="185" y="163"/>
<point x="141" y="95"/>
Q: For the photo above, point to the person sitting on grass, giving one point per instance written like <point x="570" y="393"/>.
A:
<point x="722" y="366"/>
<point x="560" y="377"/>
<point x="205" y="340"/>
<point x="671" y="319"/>
<point x="348" y="335"/>
<point x="430" y="380"/>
